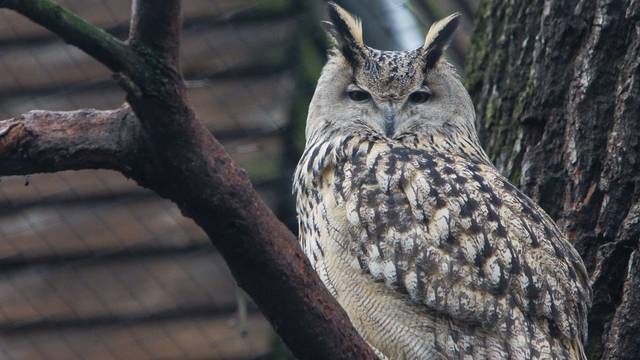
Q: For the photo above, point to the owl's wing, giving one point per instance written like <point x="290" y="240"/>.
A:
<point x="456" y="236"/>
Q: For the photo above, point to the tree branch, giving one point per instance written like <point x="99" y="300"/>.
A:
<point x="155" y="35"/>
<point x="42" y="141"/>
<point x="156" y="25"/>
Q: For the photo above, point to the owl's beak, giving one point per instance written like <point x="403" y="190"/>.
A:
<point x="389" y="121"/>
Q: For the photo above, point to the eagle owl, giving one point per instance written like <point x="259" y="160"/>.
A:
<point x="429" y="249"/>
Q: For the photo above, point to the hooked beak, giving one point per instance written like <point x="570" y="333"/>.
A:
<point x="389" y="120"/>
<point x="389" y="125"/>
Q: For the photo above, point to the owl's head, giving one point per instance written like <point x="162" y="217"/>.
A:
<point x="389" y="94"/>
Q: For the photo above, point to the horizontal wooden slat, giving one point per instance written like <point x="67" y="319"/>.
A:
<point x="234" y="105"/>
<point x="28" y="69"/>
<point x="102" y="13"/>
<point x="64" y="184"/>
<point x="263" y="158"/>
<point x="244" y="104"/>
<point x="188" y="338"/>
<point x="110" y="13"/>
<point x="237" y="47"/>
<point x="131" y="288"/>
<point x="205" y="50"/>
<point x="47" y="230"/>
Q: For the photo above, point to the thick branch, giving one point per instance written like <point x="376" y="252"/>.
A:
<point x="156" y="25"/>
<point x="155" y="34"/>
<point x="42" y="141"/>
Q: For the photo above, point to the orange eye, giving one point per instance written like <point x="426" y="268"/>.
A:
<point x="358" y="95"/>
<point x="419" y="97"/>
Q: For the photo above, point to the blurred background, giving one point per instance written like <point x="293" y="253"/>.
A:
<point x="93" y="266"/>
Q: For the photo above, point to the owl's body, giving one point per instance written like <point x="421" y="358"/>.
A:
<point x="432" y="253"/>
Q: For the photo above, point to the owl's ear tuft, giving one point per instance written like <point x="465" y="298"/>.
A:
<point x="439" y="38"/>
<point x="345" y="31"/>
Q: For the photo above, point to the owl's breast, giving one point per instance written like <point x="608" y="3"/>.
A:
<point x="439" y="232"/>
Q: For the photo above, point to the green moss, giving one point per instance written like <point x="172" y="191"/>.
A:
<point x="515" y="175"/>
<point x="493" y="107"/>
<point x="479" y="50"/>
<point x="500" y="64"/>
<point x="524" y="99"/>
<point x="497" y="145"/>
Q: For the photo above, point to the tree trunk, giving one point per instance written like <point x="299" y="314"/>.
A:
<point x="554" y="83"/>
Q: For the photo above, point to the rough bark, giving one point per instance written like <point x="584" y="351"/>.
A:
<point x="45" y="141"/>
<point x="556" y="89"/>
<point x="160" y="142"/>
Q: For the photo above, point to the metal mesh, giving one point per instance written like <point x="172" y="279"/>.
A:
<point x="93" y="266"/>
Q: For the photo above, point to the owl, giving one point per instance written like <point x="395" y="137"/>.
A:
<point x="429" y="249"/>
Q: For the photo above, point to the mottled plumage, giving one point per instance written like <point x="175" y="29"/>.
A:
<point x="432" y="253"/>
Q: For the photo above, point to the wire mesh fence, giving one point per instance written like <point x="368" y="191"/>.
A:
<point x="93" y="266"/>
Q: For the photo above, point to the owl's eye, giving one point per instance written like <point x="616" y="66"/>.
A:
<point x="359" y="95"/>
<point x="419" y="97"/>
